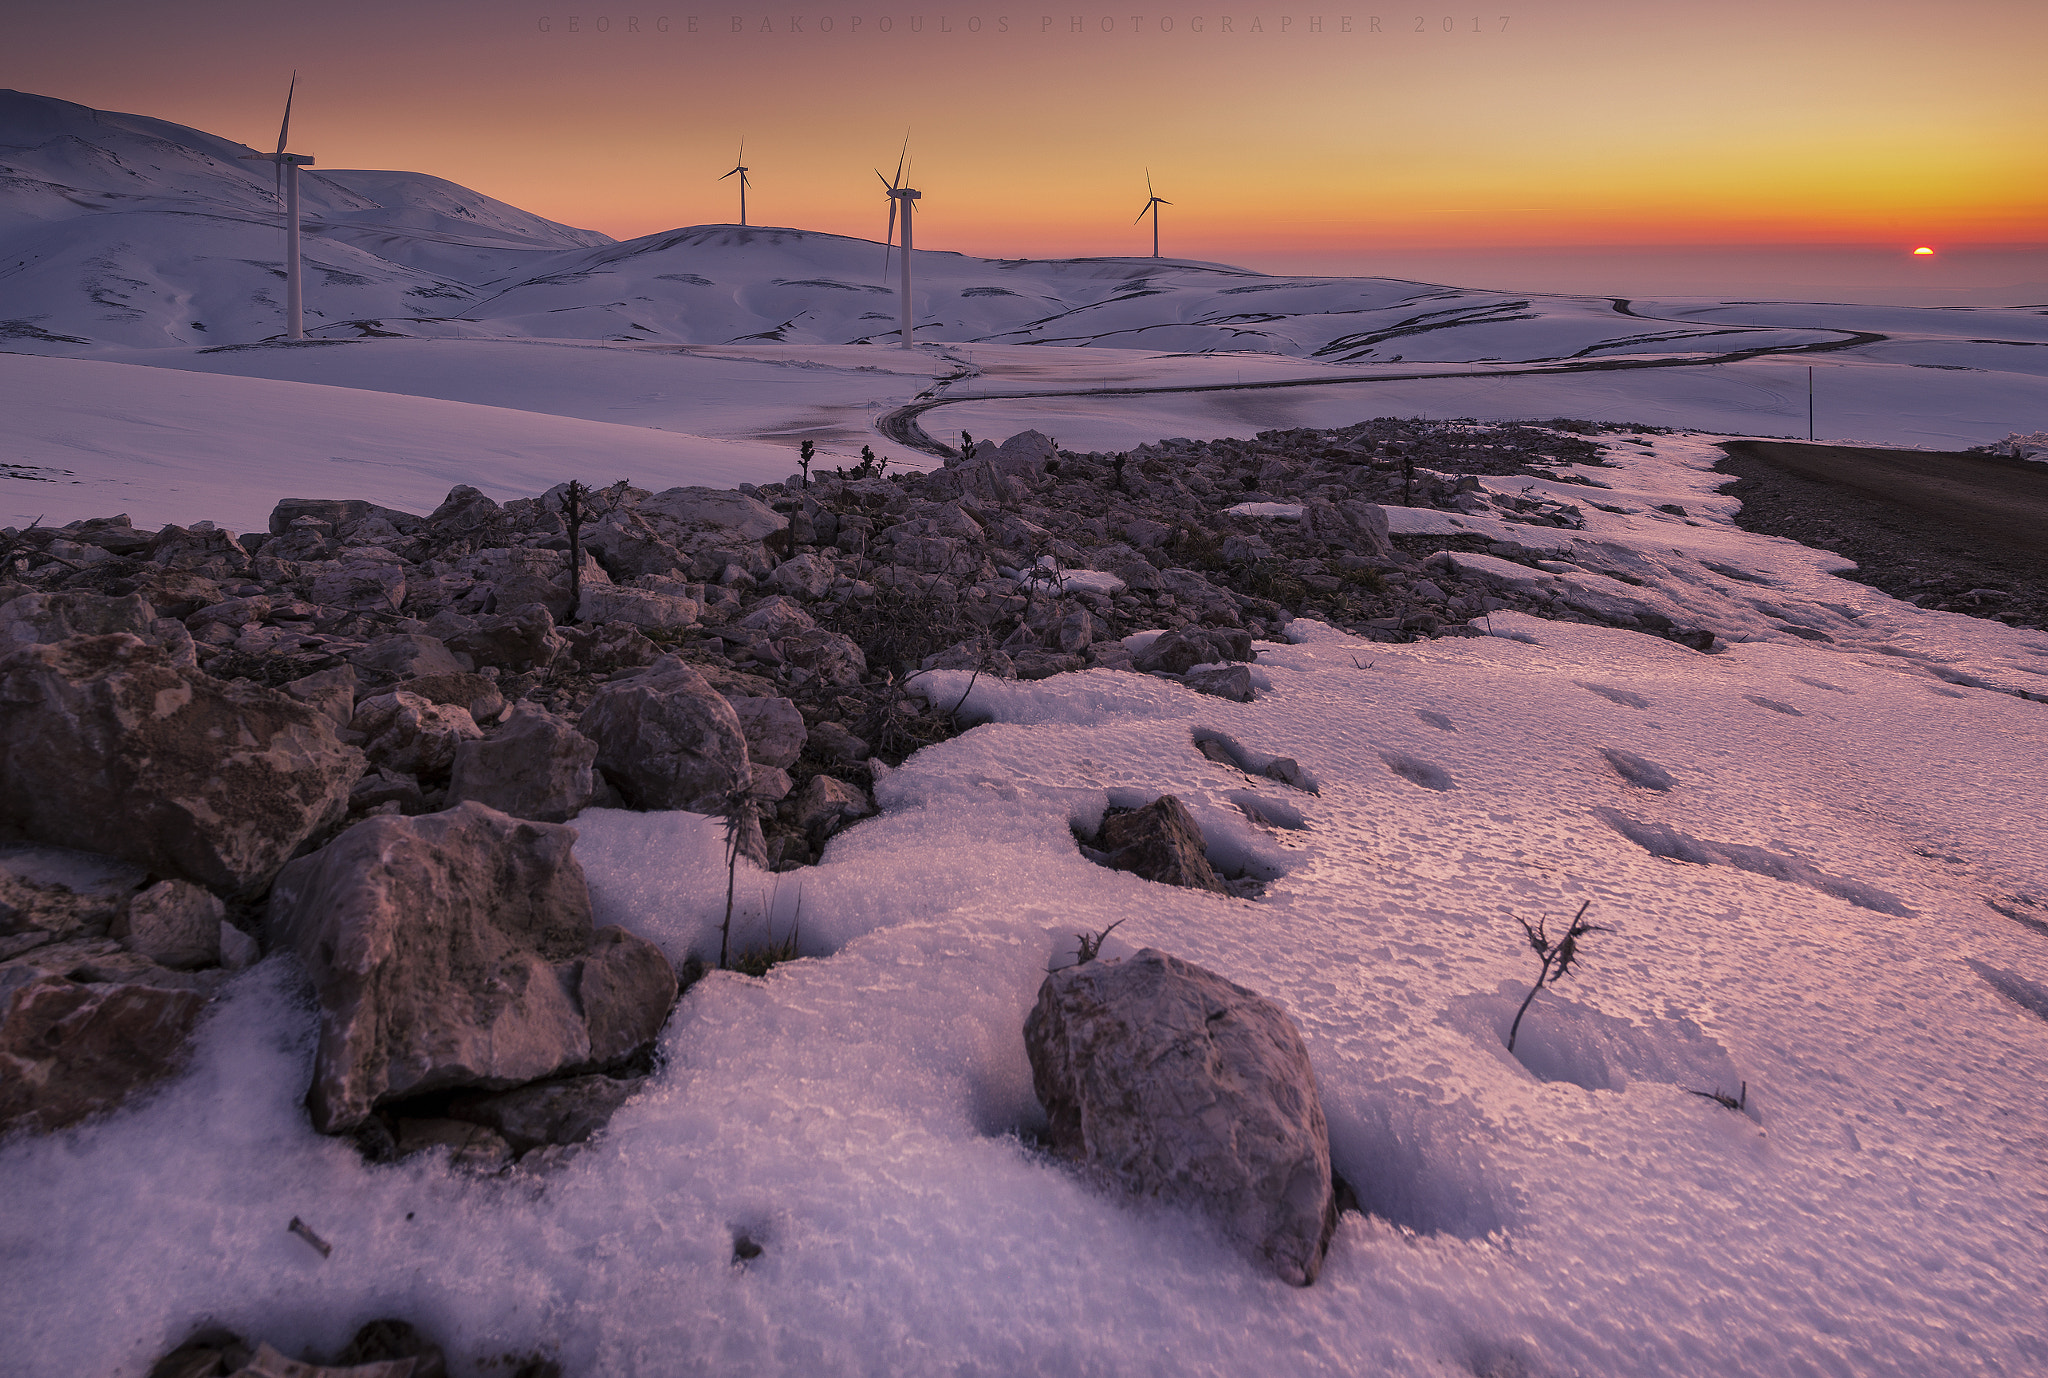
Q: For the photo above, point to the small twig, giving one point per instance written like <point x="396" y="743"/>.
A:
<point x="1722" y="1098"/>
<point x="305" y="1232"/>
<point x="1557" y="956"/>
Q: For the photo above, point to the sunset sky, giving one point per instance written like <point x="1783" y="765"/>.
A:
<point x="1827" y="137"/>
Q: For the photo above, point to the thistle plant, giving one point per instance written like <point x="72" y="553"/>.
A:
<point x="1557" y="955"/>
<point x="805" y="453"/>
<point x="572" y="516"/>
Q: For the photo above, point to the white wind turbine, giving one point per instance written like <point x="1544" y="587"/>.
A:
<point x="288" y="165"/>
<point x="900" y="195"/>
<point x="1152" y="208"/>
<point x="740" y="167"/>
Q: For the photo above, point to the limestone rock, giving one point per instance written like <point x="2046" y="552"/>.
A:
<point x="1180" y="650"/>
<point x="637" y="607"/>
<point x="406" y="733"/>
<point x="330" y="692"/>
<point x="36" y="619"/>
<point x="109" y="746"/>
<point x="668" y="740"/>
<point x="175" y="924"/>
<point x="536" y="766"/>
<point x="1359" y="528"/>
<point x="69" y="1049"/>
<point x="1171" y="1082"/>
<point x="712" y="516"/>
<point x="805" y="576"/>
<point x="404" y="655"/>
<point x="830" y="657"/>
<point x="519" y="638"/>
<point x="519" y="577"/>
<point x="1160" y="842"/>
<point x="461" y="689"/>
<point x="364" y="579"/>
<point x="455" y="950"/>
<point x="336" y="514"/>
<point x="774" y="729"/>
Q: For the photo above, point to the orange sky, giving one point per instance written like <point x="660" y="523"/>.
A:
<point x="1557" y="123"/>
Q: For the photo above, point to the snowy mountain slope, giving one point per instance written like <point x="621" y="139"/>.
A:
<point x="122" y="230"/>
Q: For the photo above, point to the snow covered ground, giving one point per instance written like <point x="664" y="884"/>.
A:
<point x="1855" y="932"/>
<point x="1839" y="898"/>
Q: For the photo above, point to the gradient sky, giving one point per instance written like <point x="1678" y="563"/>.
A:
<point x="1539" y="128"/>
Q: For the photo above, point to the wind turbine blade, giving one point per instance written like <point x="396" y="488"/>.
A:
<point x="1148" y="181"/>
<point x="1164" y="202"/>
<point x="884" y="181"/>
<point x="889" y="243"/>
<point x="900" y="159"/>
<point x="285" y="129"/>
<point x="728" y="174"/>
<point x="1143" y="213"/>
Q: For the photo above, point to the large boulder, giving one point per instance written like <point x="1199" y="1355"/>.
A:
<point x="667" y="740"/>
<point x="456" y="950"/>
<point x="364" y="579"/>
<point x="108" y="744"/>
<point x="536" y="766"/>
<point x="516" y="639"/>
<point x="1171" y="1082"/>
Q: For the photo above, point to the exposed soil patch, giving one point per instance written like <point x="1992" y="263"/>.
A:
<point x="1960" y="532"/>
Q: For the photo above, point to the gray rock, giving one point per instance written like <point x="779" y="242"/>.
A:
<point x="519" y="577"/>
<point x="406" y="655"/>
<point x="1025" y="454"/>
<point x="464" y="689"/>
<point x="804" y="576"/>
<point x="365" y="579"/>
<point x="827" y="805"/>
<point x="1233" y="682"/>
<point x="330" y="692"/>
<point x="107" y="745"/>
<point x="668" y="740"/>
<point x="834" y="743"/>
<point x="37" y="619"/>
<point x="636" y="607"/>
<point x="175" y="924"/>
<point x="710" y="515"/>
<point x="1357" y="527"/>
<point x="380" y="787"/>
<point x="237" y="949"/>
<point x="411" y="735"/>
<point x="536" y="766"/>
<point x="70" y="1049"/>
<point x="774" y="729"/>
<point x="1170" y="1082"/>
<point x="1162" y="843"/>
<point x="520" y="638"/>
<point x="826" y="656"/>
<point x="776" y="617"/>
<point x="336" y="514"/>
<point x="455" y="950"/>
<point x="549" y="1112"/>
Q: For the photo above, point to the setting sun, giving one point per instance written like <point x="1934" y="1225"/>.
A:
<point x="1923" y="252"/>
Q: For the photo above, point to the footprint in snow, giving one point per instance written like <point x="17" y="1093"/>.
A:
<point x="1787" y="709"/>
<point x="1417" y="771"/>
<point x="1823" y="684"/>
<point x="1436" y="719"/>
<point x="1626" y="698"/>
<point x="1637" y="771"/>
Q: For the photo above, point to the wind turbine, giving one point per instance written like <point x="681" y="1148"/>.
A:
<point x="1152" y="207"/>
<point x="899" y="195"/>
<point x="740" y="166"/>
<point x="288" y="165"/>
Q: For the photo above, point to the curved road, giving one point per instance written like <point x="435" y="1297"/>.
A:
<point x="902" y="426"/>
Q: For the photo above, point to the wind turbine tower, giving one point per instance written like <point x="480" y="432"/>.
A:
<point x="740" y="167"/>
<point x="900" y="195"/>
<point x="1152" y="207"/>
<point x="288" y="165"/>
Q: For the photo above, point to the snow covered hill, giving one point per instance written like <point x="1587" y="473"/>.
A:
<point x="120" y="229"/>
